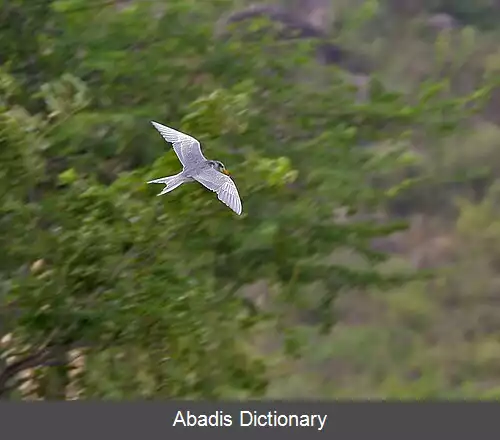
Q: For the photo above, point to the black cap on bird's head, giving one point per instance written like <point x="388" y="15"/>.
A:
<point x="219" y="166"/>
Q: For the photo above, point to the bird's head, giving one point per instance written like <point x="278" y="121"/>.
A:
<point x="219" y="166"/>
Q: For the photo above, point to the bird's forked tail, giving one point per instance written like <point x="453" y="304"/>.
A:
<point x="171" y="182"/>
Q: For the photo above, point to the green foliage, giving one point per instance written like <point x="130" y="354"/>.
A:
<point x="149" y="286"/>
<point x="482" y="13"/>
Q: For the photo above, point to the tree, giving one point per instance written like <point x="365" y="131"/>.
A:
<point x="147" y="286"/>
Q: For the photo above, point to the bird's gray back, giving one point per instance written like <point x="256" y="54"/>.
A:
<point x="194" y="168"/>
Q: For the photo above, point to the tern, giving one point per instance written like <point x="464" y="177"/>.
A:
<point x="212" y="174"/>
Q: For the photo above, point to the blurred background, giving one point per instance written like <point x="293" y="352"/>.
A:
<point x="363" y="137"/>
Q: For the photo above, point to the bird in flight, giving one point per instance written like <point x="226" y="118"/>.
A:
<point x="212" y="174"/>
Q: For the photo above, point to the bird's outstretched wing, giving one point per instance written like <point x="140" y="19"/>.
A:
<point x="186" y="147"/>
<point x="222" y="185"/>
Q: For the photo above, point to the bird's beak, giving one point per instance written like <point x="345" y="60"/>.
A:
<point x="226" y="172"/>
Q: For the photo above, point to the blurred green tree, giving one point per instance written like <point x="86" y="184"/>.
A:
<point x="147" y="286"/>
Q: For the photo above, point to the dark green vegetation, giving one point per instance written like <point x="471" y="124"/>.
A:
<point x="178" y="297"/>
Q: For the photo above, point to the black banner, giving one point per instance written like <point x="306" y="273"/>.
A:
<point x="155" y="420"/>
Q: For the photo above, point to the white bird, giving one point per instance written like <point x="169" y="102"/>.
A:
<point x="210" y="173"/>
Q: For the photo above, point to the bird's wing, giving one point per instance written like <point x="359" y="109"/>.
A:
<point x="186" y="147"/>
<point x="222" y="185"/>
